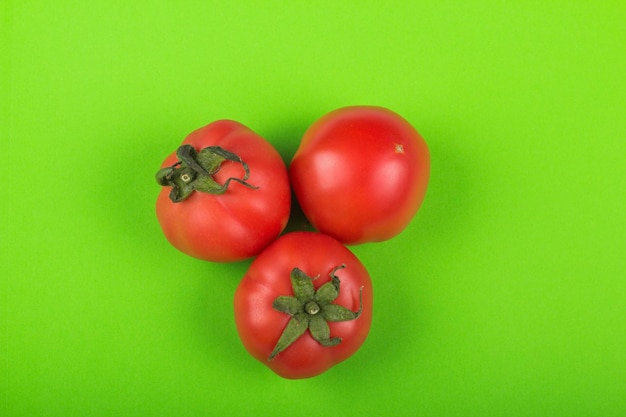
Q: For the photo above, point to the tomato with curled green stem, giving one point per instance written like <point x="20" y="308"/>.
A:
<point x="225" y="194"/>
<point x="360" y="174"/>
<point x="304" y="305"/>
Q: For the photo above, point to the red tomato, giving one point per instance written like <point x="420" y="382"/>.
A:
<point x="275" y="295"/>
<point x="247" y="197"/>
<point x="360" y="174"/>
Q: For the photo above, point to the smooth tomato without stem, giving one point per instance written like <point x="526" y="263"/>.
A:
<point x="225" y="194"/>
<point x="360" y="174"/>
<point x="304" y="305"/>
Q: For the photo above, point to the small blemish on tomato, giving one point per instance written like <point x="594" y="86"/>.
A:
<point x="399" y="148"/>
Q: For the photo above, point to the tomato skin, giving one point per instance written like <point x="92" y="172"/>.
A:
<point x="360" y="174"/>
<point x="268" y="277"/>
<point x="240" y="223"/>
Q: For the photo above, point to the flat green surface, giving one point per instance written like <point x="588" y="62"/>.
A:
<point x="506" y="296"/>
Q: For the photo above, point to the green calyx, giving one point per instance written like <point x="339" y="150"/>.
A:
<point x="194" y="172"/>
<point x="312" y="310"/>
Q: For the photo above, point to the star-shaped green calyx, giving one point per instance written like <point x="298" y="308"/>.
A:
<point x="312" y="310"/>
<point x="194" y="172"/>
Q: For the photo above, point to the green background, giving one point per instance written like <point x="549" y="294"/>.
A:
<point x="506" y="295"/>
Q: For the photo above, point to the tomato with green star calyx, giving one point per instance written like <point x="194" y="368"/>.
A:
<point x="225" y="194"/>
<point x="304" y="305"/>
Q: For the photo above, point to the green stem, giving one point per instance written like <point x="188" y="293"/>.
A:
<point x="312" y="310"/>
<point x="195" y="171"/>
